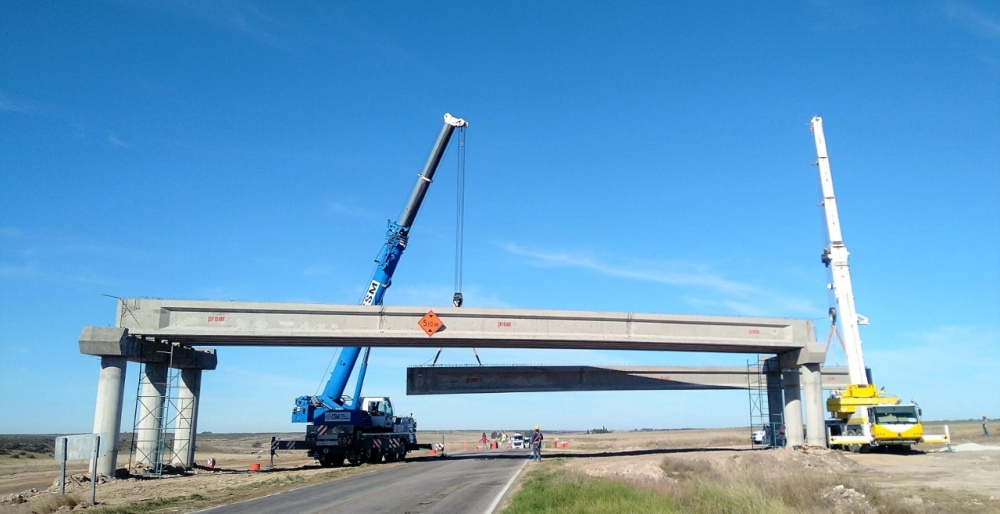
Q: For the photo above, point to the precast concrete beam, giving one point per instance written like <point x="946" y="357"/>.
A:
<point x="425" y="380"/>
<point x="275" y="324"/>
<point x="118" y="342"/>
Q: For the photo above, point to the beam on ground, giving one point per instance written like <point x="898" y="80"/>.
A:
<point x="422" y="380"/>
<point x="286" y="324"/>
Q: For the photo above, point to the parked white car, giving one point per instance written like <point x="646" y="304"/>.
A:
<point x="758" y="437"/>
<point x="517" y="441"/>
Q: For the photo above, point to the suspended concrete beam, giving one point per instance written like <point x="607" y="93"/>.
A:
<point x="426" y="380"/>
<point x="286" y="324"/>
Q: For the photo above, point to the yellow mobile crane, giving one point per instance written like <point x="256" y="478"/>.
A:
<point x="863" y="416"/>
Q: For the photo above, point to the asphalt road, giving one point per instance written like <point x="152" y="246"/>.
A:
<point x="464" y="483"/>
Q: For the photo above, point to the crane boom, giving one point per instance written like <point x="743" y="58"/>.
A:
<point x="835" y="257"/>
<point x="367" y="429"/>
<point x="864" y="418"/>
<point x="396" y="239"/>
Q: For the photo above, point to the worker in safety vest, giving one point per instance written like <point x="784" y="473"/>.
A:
<point x="536" y="444"/>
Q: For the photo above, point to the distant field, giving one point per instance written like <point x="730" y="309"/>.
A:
<point x="23" y="445"/>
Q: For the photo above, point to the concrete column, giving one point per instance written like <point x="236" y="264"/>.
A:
<point x="775" y="402"/>
<point x="812" y="389"/>
<point x="793" y="407"/>
<point x="152" y="393"/>
<point x="188" y="392"/>
<point x="108" y="412"/>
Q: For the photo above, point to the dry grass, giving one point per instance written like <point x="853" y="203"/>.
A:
<point x="45" y="505"/>
<point x="961" y="431"/>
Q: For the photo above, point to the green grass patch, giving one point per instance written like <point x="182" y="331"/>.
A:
<point x="550" y="489"/>
<point x="695" y="486"/>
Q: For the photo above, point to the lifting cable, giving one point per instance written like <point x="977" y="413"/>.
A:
<point x="459" y="220"/>
<point x="457" y="299"/>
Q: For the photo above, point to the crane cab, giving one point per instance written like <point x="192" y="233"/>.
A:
<point x="380" y="410"/>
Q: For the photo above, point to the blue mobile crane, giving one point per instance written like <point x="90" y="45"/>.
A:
<point x="360" y="429"/>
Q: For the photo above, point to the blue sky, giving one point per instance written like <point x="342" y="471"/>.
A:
<point x="651" y="157"/>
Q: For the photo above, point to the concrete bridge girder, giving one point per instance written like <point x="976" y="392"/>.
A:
<point x="268" y="324"/>
<point x="427" y="380"/>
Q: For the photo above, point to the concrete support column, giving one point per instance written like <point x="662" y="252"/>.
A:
<point x="793" y="407"/>
<point x="147" y="433"/>
<point x="108" y="412"/>
<point x="188" y="393"/>
<point x="775" y="402"/>
<point x="812" y="389"/>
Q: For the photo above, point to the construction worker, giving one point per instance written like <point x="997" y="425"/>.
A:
<point x="536" y="444"/>
<point x="986" y="428"/>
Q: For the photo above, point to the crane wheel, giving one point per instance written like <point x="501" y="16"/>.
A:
<point x="332" y="461"/>
<point x="855" y="448"/>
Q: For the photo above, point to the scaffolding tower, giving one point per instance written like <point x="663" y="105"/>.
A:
<point x="760" y="417"/>
<point x="767" y="409"/>
<point x="156" y="412"/>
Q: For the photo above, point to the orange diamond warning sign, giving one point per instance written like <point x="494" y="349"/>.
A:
<point x="430" y="323"/>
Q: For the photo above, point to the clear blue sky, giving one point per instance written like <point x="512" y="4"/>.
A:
<point x="637" y="157"/>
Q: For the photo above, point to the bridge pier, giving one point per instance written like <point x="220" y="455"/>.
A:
<point x="151" y="408"/>
<point x="794" y="435"/>
<point x="813" y="395"/>
<point x="189" y="391"/>
<point x="108" y="411"/>
<point x="116" y="348"/>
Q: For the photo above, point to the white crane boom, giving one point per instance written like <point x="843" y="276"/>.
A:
<point x="835" y="257"/>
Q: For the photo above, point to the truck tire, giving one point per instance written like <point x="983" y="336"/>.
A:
<point x="373" y="455"/>
<point x="332" y="461"/>
<point x="855" y="448"/>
